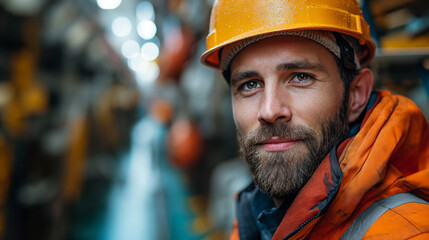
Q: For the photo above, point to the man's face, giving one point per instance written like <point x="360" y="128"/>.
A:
<point x="288" y="108"/>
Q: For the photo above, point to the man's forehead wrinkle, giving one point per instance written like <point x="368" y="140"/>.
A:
<point x="305" y="64"/>
<point x="237" y="76"/>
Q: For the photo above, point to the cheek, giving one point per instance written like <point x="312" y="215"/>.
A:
<point x="332" y="100"/>
<point x="317" y="106"/>
<point x="245" y="115"/>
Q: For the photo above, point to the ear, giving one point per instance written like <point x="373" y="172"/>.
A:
<point x="359" y="93"/>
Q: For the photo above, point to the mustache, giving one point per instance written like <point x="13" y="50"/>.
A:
<point x="282" y="130"/>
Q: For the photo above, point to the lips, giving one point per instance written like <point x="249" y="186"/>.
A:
<point x="277" y="144"/>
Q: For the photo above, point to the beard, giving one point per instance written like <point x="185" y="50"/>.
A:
<point x="282" y="174"/>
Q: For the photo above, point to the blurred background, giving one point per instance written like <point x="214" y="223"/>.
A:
<point x="110" y="128"/>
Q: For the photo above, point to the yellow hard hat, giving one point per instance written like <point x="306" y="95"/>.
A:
<point x="234" y="20"/>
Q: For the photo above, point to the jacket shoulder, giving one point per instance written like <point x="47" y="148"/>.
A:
<point x="408" y="221"/>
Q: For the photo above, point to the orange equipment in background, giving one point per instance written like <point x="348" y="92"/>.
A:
<point x="185" y="143"/>
<point x="175" y="53"/>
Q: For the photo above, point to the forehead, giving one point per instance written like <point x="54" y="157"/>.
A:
<point x="284" y="48"/>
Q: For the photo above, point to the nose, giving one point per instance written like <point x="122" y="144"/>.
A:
<point x="274" y="106"/>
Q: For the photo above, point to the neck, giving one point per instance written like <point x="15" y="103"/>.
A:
<point x="278" y="202"/>
<point x="288" y="198"/>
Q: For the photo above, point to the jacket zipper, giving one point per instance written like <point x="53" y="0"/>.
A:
<point x="300" y="227"/>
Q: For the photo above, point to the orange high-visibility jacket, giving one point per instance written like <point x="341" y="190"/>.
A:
<point x="389" y="155"/>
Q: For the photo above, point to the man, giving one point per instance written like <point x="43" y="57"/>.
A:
<point x="321" y="145"/>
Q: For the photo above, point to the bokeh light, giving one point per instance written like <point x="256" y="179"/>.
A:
<point x="150" y="51"/>
<point x="108" y="4"/>
<point x="121" y="26"/>
<point x="145" y="11"/>
<point x="130" y="48"/>
<point x="146" y="29"/>
<point x="148" y="73"/>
